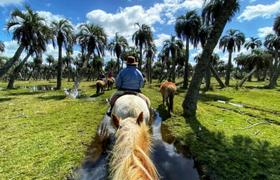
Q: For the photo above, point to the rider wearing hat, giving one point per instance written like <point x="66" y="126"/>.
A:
<point x="129" y="80"/>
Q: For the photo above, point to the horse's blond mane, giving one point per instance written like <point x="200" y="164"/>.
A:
<point x="130" y="155"/>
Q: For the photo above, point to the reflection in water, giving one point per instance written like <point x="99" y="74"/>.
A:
<point x="170" y="164"/>
<point x="93" y="170"/>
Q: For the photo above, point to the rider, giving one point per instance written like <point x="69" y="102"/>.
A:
<point x="110" y="74"/>
<point x="101" y="76"/>
<point x="129" y="79"/>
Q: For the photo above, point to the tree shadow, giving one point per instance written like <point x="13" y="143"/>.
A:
<point x="24" y="93"/>
<point x="213" y="97"/>
<point x="163" y="112"/>
<point x="96" y="95"/>
<point x="53" y="97"/>
<point x="256" y="87"/>
<point x="5" y="99"/>
<point x="237" y="158"/>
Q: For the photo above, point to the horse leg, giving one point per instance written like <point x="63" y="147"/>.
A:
<point x="97" y="89"/>
<point x="163" y="99"/>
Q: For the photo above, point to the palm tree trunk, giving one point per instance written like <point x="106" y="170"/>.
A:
<point x="275" y="72"/>
<point x="186" y="73"/>
<point x="216" y="75"/>
<point x="59" y="68"/>
<point x="190" y="101"/>
<point x="173" y="73"/>
<point x="208" y="78"/>
<point x="240" y="84"/>
<point x="228" y="68"/>
<point x="5" y="68"/>
<point x="118" y="65"/>
<point x="69" y="72"/>
<point x="16" y="71"/>
<point x="140" y="60"/>
<point x="150" y="71"/>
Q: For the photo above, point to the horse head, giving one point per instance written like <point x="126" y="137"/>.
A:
<point x="130" y="154"/>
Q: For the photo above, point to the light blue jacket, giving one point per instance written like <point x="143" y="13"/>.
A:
<point x="130" y="78"/>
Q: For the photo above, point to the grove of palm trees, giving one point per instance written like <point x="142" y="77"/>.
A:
<point x="226" y="116"/>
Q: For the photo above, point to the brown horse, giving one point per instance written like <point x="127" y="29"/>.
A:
<point x="168" y="90"/>
<point x="110" y="83"/>
<point x="100" y="86"/>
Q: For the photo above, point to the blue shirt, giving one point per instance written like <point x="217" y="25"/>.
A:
<point x="130" y="78"/>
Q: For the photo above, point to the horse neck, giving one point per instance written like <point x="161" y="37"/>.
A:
<point x="130" y="156"/>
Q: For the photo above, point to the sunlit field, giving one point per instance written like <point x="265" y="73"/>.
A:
<point x="210" y="69"/>
<point x="46" y="135"/>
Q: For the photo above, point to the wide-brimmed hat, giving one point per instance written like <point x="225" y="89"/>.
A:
<point x="131" y="60"/>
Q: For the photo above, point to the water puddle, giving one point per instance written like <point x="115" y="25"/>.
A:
<point x="233" y="104"/>
<point x="39" y="88"/>
<point x="170" y="164"/>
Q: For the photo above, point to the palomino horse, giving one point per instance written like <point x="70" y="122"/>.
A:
<point x="110" y="83"/>
<point x="168" y="90"/>
<point x="130" y="155"/>
<point x="100" y="86"/>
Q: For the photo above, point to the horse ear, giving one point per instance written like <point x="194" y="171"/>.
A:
<point x="140" y="118"/>
<point x="116" y="121"/>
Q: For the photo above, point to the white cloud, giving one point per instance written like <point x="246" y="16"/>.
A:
<point x="124" y="20"/>
<point x="49" y="17"/>
<point x="160" y="39"/>
<point x="260" y="10"/>
<point x="9" y="2"/>
<point x="10" y="49"/>
<point x="262" y="32"/>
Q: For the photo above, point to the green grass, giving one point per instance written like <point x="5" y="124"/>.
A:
<point x="45" y="135"/>
<point x="220" y="138"/>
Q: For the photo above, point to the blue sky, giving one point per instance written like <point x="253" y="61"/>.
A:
<point x="254" y="19"/>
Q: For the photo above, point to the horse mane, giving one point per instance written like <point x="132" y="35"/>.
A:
<point x="130" y="154"/>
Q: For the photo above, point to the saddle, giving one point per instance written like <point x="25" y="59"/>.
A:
<point x="116" y="96"/>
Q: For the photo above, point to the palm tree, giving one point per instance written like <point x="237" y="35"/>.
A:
<point x="276" y="25"/>
<point x="272" y="43"/>
<point x="142" y="37"/>
<point x="118" y="46"/>
<point x="204" y="32"/>
<point x="131" y="51"/>
<point x="231" y="42"/>
<point x="150" y="52"/>
<point x="253" y="43"/>
<point x="2" y="46"/>
<point x="255" y="61"/>
<point x="63" y="33"/>
<point x="172" y="47"/>
<point x="93" y="39"/>
<point x="36" y="46"/>
<point x="68" y="60"/>
<point x="215" y="13"/>
<point x="50" y="60"/>
<point x="187" y="27"/>
<point x="24" y="25"/>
